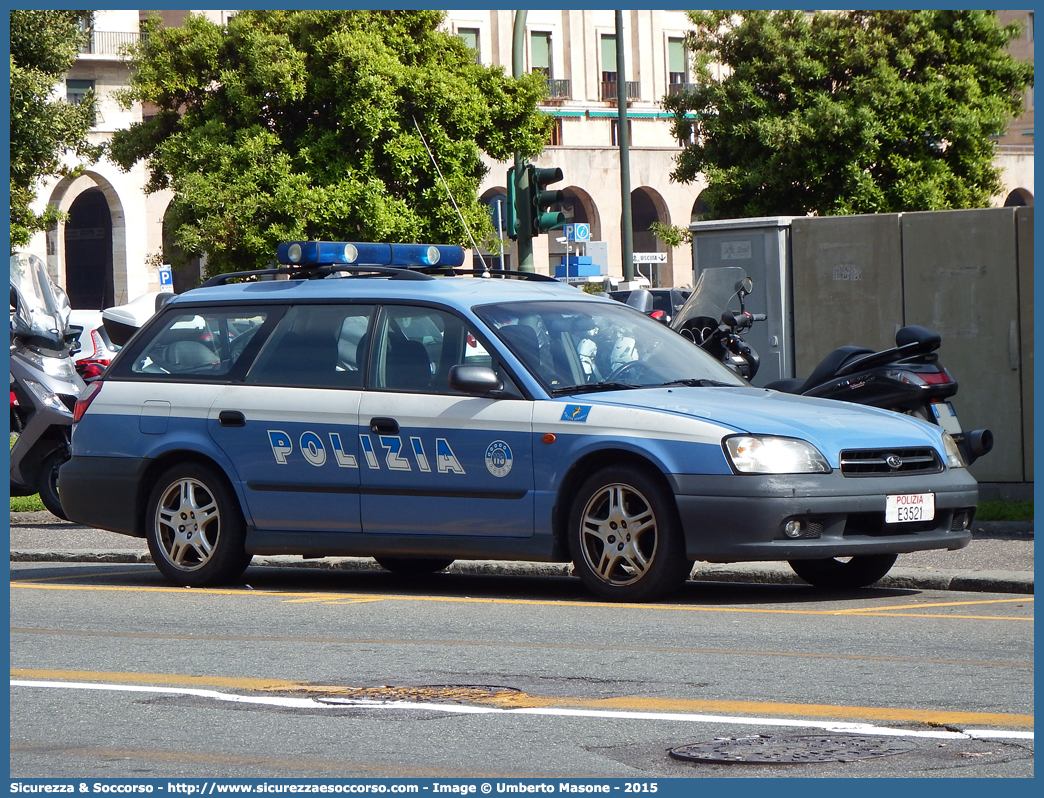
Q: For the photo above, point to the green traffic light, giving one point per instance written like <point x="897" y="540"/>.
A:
<point x="542" y="198"/>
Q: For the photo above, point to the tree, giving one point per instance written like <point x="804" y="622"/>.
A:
<point x="285" y="125"/>
<point x="44" y="128"/>
<point x="846" y="112"/>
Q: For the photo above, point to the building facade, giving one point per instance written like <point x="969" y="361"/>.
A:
<point x="108" y="249"/>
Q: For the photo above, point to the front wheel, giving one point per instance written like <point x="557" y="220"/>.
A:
<point x="841" y="573"/>
<point x="195" y="528"/>
<point x="49" y="482"/>
<point x="625" y="537"/>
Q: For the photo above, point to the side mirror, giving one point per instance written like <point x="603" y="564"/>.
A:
<point x="474" y="380"/>
<point x="744" y="286"/>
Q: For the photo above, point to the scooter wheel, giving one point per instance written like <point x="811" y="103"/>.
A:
<point x="841" y="574"/>
<point x="49" y="482"/>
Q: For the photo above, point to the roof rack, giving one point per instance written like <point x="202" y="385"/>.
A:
<point x="317" y="273"/>
<point x="453" y="271"/>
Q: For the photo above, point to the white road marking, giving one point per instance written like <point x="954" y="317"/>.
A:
<point x="463" y="709"/>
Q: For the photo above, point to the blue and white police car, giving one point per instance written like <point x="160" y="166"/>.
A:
<point x="380" y="402"/>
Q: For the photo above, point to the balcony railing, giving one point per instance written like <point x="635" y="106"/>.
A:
<point x="558" y="89"/>
<point x="609" y="90"/>
<point x="105" y="42"/>
<point x="679" y="88"/>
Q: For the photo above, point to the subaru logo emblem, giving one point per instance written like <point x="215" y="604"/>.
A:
<point x="894" y="461"/>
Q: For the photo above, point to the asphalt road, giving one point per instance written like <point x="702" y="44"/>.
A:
<point x="115" y="674"/>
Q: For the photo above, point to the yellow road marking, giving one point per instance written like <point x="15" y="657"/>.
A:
<point x="520" y="700"/>
<point x="294" y="597"/>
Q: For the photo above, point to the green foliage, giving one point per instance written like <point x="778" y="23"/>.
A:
<point x="846" y="112"/>
<point x="670" y="234"/>
<point x="44" y="45"/>
<point x="1005" y="511"/>
<point x="304" y="125"/>
<point x="27" y="504"/>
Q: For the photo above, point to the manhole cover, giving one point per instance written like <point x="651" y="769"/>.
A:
<point x="762" y="749"/>
<point x="432" y="692"/>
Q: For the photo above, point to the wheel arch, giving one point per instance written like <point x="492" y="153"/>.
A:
<point x="585" y="466"/>
<point x="164" y="461"/>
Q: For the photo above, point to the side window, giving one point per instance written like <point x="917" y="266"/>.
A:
<point x="416" y="348"/>
<point x="205" y="343"/>
<point x="323" y="346"/>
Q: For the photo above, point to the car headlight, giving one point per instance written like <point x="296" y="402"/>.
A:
<point x="953" y="453"/>
<point x="768" y="454"/>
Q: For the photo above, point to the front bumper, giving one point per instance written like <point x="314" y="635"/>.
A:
<point x="741" y="518"/>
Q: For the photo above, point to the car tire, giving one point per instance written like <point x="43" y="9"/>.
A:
<point x="413" y="566"/>
<point x="841" y="574"/>
<point x="195" y="528"/>
<point x="49" y="482"/>
<point x="625" y="537"/>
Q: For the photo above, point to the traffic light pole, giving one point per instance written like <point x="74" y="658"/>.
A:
<point x="521" y="174"/>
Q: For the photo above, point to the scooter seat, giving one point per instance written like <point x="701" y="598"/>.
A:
<point x="826" y="369"/>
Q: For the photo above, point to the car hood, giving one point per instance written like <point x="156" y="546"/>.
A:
<point x="829" y="424"/>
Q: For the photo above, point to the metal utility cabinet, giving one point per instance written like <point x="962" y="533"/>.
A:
<point x="829" y="281"/>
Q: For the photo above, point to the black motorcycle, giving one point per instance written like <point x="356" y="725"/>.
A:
<point x="706" y="320"/>
<point x="907" y="378"/>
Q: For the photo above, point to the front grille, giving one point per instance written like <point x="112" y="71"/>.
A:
<point x="890" y="462"/>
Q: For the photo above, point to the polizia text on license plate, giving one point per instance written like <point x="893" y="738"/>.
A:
<point x="909" y="507"/>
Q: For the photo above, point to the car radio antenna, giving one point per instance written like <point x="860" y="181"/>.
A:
<point x="431" y="155"/>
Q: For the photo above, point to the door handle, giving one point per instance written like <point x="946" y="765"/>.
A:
<point x="231" y="418"/>
<point x="384" y="426"/>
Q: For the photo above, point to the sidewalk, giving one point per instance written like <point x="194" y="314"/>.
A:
<point x="999" y="559"/>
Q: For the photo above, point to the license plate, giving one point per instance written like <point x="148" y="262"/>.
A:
<point x="903" y="508"/>
<point x="946" y="418"/>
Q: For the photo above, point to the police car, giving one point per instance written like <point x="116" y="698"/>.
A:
<point x="382" y="402"/>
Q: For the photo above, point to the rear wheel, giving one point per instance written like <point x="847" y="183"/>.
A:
<point x="625" y="538"/>
<point x="49" y="482"/>
<point x="844" y="572"/>
<point x="410" y="566"/>
<point x="195" y="527"/>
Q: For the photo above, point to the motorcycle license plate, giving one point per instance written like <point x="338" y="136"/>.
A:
<point x="903" y="508"/>
<point x="946" y="418"/>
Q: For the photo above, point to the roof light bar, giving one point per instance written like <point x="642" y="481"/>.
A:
<point x="327" y="253"/>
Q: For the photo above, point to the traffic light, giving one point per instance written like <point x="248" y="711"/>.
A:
<point x="541" y="199"/>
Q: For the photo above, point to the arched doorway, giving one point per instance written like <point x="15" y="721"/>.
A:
<point x="88" y="252"/>
<point x="1017" y="198"/>
<point x="647" y="207"/>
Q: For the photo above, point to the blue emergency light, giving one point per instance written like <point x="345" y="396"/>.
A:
<point x="328" y="253"/>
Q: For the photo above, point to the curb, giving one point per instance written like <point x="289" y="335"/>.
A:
<point x="1020" y="582"/>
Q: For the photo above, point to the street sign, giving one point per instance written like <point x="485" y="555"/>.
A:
<point x="650" y="257"/>
<point x="577" y="232"/>
<point x="166" y="280"/>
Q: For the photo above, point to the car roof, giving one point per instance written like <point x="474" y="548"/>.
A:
<point x="455" y="291"/>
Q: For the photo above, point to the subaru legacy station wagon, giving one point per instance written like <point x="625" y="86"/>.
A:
<point x="382" y="402"/>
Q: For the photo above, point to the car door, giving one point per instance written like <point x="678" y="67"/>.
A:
<point x="433" y="461"/>
<point x="290" y="428"/>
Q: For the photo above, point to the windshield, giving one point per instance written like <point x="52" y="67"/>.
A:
<point x="574" y="347"/>
<point x="35" y="290"/>
<point x="711" y="297"/>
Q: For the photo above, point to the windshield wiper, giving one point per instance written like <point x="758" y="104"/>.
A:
<point x="594" y="387"/>
<point x="696" y="383"/>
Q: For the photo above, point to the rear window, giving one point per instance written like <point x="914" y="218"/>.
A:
<point x="206" y="343"/>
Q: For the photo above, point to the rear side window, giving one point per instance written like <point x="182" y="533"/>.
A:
<point x="322" y="346"/>
<point x="199" y="342"/>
